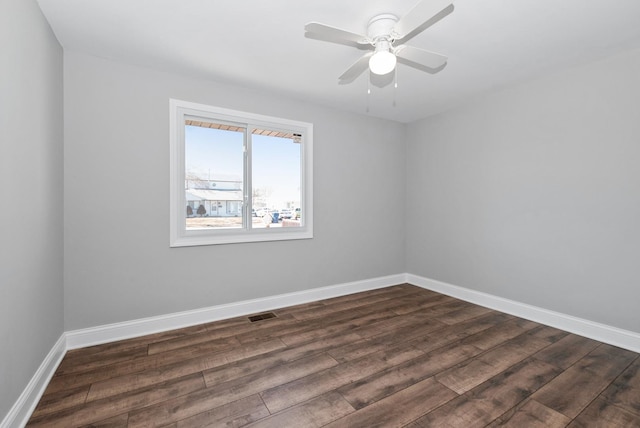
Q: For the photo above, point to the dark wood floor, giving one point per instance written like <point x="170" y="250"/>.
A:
<point x="395" y="357"/>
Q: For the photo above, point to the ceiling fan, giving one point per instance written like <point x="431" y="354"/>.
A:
<point x="386" y="35"/>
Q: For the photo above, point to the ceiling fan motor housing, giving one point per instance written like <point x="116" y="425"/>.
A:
<point x="381" y="27"/>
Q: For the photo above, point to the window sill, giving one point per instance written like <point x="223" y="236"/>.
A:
<point x="196" y="238"/>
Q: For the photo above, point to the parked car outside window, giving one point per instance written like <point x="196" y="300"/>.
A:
<point x="286" y="213"/>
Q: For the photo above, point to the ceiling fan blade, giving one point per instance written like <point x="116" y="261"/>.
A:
<point x="356" y="69"/>
<point x="430" y="62"/>
<point x="318" y="31"/>
<point x="422" y="16"/>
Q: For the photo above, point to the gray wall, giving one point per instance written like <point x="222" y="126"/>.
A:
<point x="118" y="264"/>
<point x="31" y="248"/>
<point x="533" y="193"/>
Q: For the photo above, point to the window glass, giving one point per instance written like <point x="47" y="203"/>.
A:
<point x="238" y="177"/>
<point x="214" y="164"/>
<point x="276" y="179"/>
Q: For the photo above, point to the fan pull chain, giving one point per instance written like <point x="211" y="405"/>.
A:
<point x="368" y="91"/>
<point x="395" y="85"/>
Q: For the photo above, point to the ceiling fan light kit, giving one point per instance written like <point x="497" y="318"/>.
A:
<point x="383" y="61"/>
<point x="383" y="33"/>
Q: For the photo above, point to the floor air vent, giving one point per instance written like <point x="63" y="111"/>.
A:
<point x="261" y="317"/>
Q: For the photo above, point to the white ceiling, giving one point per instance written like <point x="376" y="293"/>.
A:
<point x="261" y="44"/>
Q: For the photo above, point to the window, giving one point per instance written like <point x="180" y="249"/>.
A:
<point x="238" y="177"/>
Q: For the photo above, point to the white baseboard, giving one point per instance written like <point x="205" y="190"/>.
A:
<point x="601" y="332"/>
<point x="22" y="409"/>
<point x="140" y="327"/>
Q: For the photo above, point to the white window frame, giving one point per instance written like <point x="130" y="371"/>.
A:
<point x="179" y="235"/>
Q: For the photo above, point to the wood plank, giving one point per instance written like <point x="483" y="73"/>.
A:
<point x="401" y="408"/>
<point x="103" y="409"/>
<point x="465" y="376"/>
<point x="119" y="421"/>
<point x="383" y="337"/>
<point x="75" y="380"/>
<point x="532" y="414"/>
<point x="332" y="328"/>
<point x="397" y="323"/>
<point x="152" y="376"/>
<point x="236" y="413"/>
<point x="443" y="309"/>
<point x="60" y="400"/>
<point x="188" y="405"/>
<point x="288" y="394"/>
<point x="412" y="305"/>
<point x="472" y="373"/>
<point x="567" y="351"/>
<point x="253" y="365"/>
<point x="580" y="384"/>
<point x="220" y="349"/>
<point x="367" y="390"/>
<point x="77" y="365"/>
<point x="486" y="402"/>
<point x="625" y="390"/>
<point x="550" y="334"/>
<point x="499" y="334"/>
<point x="217" y="352"/>
<point x="464" y="314"/>
<point x="314" y="413"/>
<point x="458" y="332"/>
<point x="602" y="414"/>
